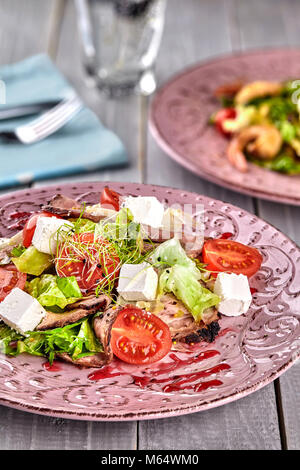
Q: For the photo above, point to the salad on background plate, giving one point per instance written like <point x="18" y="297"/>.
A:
<point x="87" y="283"/>
<point x="261" y="121"/>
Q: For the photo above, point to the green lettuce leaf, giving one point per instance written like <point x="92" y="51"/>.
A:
<point x="69" y="286"/>
<point x="171" y="253"/>
<point x="52" y="290"/>
<point x="18" y="250"/>
<point x="7" y="336"/>
<point x="32" y="261"/>
<point x="77" y="340"/>
<point x="184" y="285"/>
<point x="287" y="130"/>
<point x="283" y="163"/>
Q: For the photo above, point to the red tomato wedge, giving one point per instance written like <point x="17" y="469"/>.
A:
<point x="9" y="279"/>
<point x="29" y="228"/>
<point x="92" y="261"/>
<point x="221" y="116"/>
<point x="140" y="337"/>
<point x="110" y="199"/>
<point x="231" y="256"/>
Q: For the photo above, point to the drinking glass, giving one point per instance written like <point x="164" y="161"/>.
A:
<point x="120" y="41"/>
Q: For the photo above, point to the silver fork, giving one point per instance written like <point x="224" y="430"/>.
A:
<point x="46" y="124"/>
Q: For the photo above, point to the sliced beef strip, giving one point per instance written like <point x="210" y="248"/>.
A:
<point x="81" y="310"/>
<point x="91" y="303"/>
<point x="102" y="325"/>
<point x="96" y="360"/>
<point x="182" y="325"/>
<point x="67" y="207"/>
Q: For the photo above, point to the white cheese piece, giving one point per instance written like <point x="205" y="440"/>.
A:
<point x="234" y="291"/>
<point x="137" y="282"/>
<point x="46" y="233"/>
<point x="21" y="311"/>
<point x="146" y="210"/>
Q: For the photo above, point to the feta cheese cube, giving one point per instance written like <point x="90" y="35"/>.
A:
<point x="45" y="235"/>
<point x="145" y="210"/>
<point x="21" y="311"/>
<point x="137" y="282"/>
<point x="234" y="291"/>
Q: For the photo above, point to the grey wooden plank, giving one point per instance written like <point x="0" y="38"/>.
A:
<point x="280" y="26"/>
<point x="26" y="431"/>
<point x="241" y="425"/>
<point x="23" y="28"/>
<point x="55" y="21"/>
<point x="113" y="436"/>
<point x="16" y="429"/>
<point x="261" y="23"/>
<point x="291" y="17"/>
<point x="251" y="422"/>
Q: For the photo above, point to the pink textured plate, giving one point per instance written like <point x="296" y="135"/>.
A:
<point x="182" y="107"/>
<point x="250" y="352"/>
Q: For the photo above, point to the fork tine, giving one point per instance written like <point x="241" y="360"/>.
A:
<point x="55" y="123"/>
<point x="53" y="115"/>
<point x="49" y="122"/>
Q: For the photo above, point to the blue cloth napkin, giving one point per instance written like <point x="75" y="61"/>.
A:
<point x="82" y="145"/>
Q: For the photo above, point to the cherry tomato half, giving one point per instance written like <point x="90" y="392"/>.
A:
<point x="29" y="228"/>
<point x="92" y="261"/>
<point x="9" y="279"/>
<point x="110" y="199"/>
<point x="231" y="256"/>
<point x="221" y="116"/>
<point x="140" y="337"/>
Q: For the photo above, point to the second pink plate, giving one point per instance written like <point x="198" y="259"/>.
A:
<point x="182" y="107"/>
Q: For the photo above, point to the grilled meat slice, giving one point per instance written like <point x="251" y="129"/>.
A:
<point x="208" y="333"/>
<point x="91" y="303"/>
<point x="58" y="320"/>
<point x="67" y="207"/>
<point x="182" y="325"/>
<point x="78" y="310"/>
<point x="96" y="360"/>
<point x="102" y="327"/>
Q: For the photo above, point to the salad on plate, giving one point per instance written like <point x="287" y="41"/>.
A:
<point x="261" y="121"/>
<point x="127" y="278"/>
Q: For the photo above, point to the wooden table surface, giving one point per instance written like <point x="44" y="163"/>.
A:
<point x="194" y="30"/>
